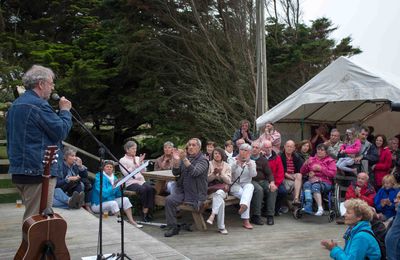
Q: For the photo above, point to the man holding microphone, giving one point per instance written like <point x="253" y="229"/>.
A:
<point x="32" y="125"/>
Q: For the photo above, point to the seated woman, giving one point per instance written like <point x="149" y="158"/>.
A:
<point x="74" y="176"/>
<point x="271" y="134"/>
<point x="304" y="149"/>
<point x="112" y="197"/>
<point x="138" y="184"/>
<point x="243" y="170"/>
<point x="348" y="151"/>
<point x="384" y="199"/>
<point x="359" y="242"/>
<point x="320" y="169"/>
<point x="219" y="172"/>
<point x="164" y="162"/>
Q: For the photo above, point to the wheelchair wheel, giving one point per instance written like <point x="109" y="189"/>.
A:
<point x="332" y="216"/>
<point x="337" y="198"/>
<point x="297" y="214"/>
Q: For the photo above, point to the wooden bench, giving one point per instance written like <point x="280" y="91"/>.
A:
<point x="198" y="215"/>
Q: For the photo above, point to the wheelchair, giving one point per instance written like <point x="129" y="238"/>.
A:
<point x="328" y="204"/>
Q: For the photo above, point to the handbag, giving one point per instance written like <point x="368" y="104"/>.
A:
<point x="216" y="185"/>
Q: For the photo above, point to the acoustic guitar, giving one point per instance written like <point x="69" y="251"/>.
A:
<point x="43" y="235"/>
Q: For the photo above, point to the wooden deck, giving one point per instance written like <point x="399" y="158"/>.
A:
<point x="81" y="236"/>
<point x="287" y="239"/>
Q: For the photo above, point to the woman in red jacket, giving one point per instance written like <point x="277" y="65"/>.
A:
<point x="382" y="167"/>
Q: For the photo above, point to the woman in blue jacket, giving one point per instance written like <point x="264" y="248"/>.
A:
<point x="384" y="199"/>
<point x="112" y="198"/>
<point x="359" y="243"/>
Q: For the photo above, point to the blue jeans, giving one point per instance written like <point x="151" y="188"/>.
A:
<point x="282" y="194"/>
<point x="319" y="187"/>
<point x="60" y="199"/>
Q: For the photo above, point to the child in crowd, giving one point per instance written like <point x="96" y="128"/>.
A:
<point x="348" y="151"/>
<point x="384" y="199"/>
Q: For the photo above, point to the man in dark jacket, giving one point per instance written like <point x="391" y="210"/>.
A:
<point x="291" y="165"/>
<point x="192" y="167"/>
<point x="276" y="166"/>
<point x="264" y="187"/>
<point x="392" y="239"/>
<point x="368" y="153"/>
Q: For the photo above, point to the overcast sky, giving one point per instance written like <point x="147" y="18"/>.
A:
<point x="373" y="25"/>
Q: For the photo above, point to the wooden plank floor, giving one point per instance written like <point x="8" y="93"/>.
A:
<point x="81" y="236"/>
<point x="287" y="239"/>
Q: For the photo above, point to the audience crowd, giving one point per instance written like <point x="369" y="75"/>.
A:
<point x="268" y="179"/>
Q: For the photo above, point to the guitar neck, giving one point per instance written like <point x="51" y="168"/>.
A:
<point x="50" y="155"/>
<point x="45" y="194"/>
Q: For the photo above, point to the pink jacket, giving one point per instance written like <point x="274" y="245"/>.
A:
<point x="131" y="163"/>
<point x="328" y="168"/>
<point x="275" y="139"/>
<point x="353" y="148"/>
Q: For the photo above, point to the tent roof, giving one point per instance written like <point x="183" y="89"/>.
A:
<point x="343" y="92"/>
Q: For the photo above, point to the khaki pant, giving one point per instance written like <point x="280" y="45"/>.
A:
<point x="31" y="194"/>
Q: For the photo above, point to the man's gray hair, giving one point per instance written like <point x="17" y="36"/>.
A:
<point x="129" y="144"/>
<point x="169" y="143"/>
<point x="197" y="140"/>
<point x="36" y="74"/>
<point x="246" y="147"/>
<point x="335" y="130"/>
<point x="69" y="151"/>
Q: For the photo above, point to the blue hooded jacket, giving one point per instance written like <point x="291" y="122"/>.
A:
<point x="359" y="245"/>
<point x="109" y="192"/>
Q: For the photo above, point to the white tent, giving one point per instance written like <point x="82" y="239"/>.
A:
<point x="342" y="95"/>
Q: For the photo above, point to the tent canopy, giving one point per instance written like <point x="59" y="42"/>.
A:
<point x="343" y="93"/>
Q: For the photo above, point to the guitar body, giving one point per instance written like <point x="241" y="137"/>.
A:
<point x="37" y="232"/>
<point x="43" y="235"/>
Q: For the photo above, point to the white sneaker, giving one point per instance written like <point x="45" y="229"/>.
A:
<point x="320" y="212"/>
<point x="223" y="231"/>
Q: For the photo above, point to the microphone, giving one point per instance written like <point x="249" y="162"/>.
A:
<point x="55" y="97"/>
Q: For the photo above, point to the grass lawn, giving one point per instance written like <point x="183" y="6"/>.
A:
<point x="3" y="152"/>
<point x="6" y="184"/>
<point x="9" y="198"/>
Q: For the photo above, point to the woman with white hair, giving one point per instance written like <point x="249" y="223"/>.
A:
<point x="137" y="183"/>
<point x="360" y="242"/>
<point x="243" y="171"/>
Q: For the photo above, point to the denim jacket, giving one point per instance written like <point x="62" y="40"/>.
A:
<point x="32" y="125"/>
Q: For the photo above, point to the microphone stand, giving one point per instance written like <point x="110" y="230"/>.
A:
<point x="122" y="255"/>
<point x="102" y="151"/>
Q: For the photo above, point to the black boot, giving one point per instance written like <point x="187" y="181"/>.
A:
<point x="146" y="217"/>
<point x="172" y="232"/>
<point x="255" y="219"/>
<point x="270" y="220"/>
